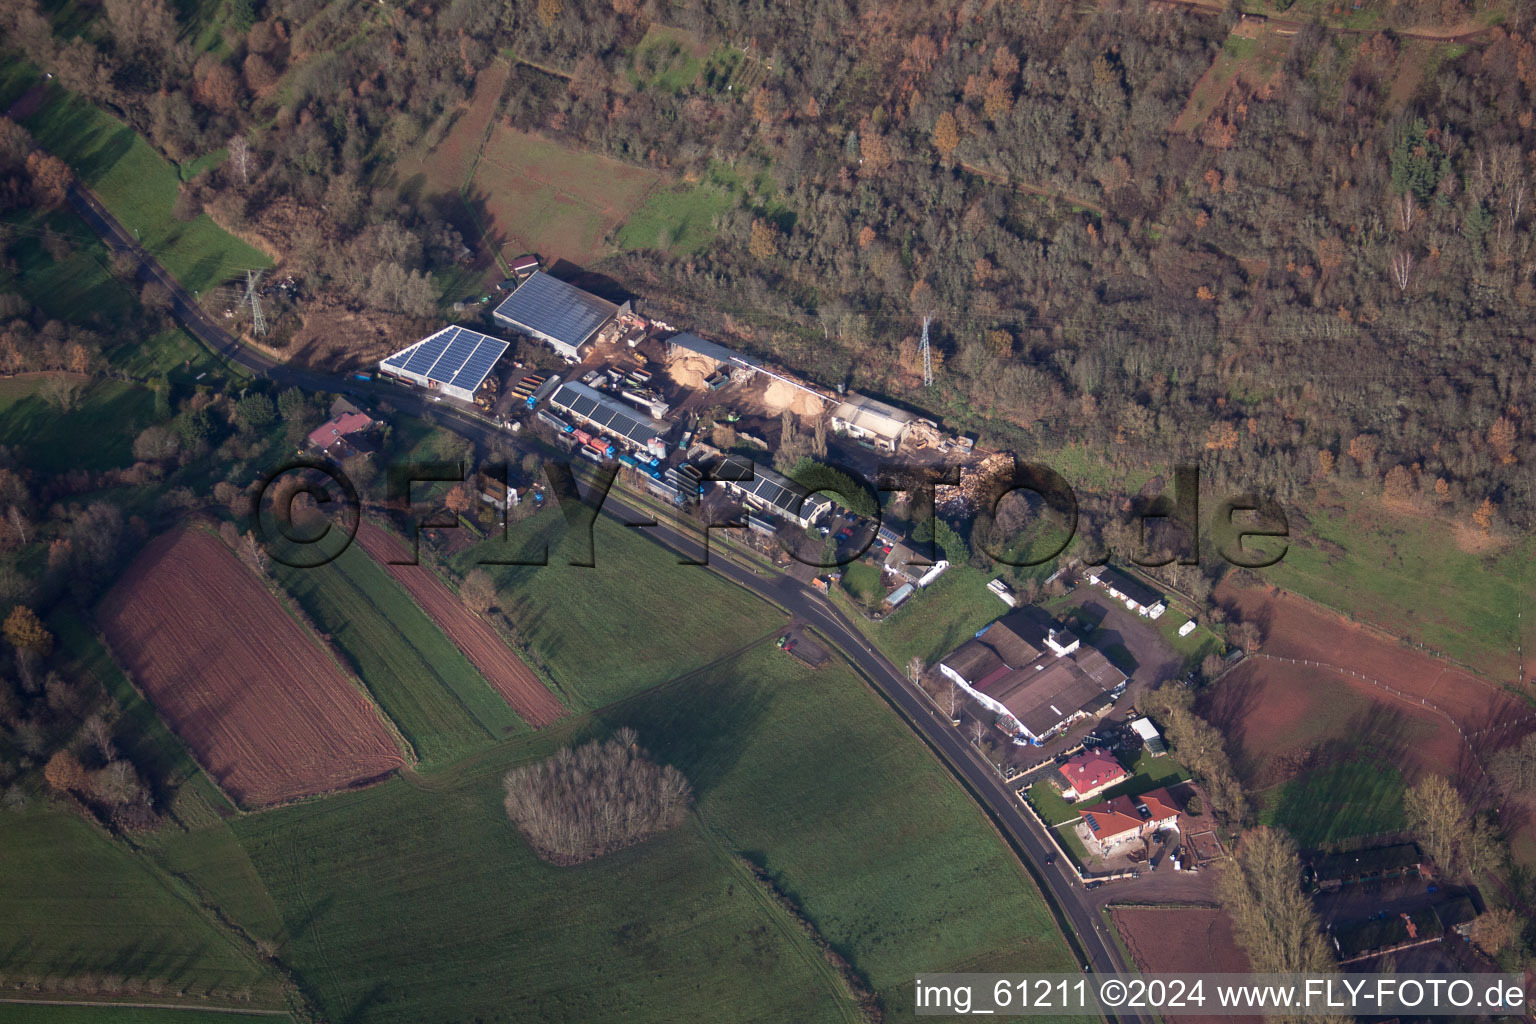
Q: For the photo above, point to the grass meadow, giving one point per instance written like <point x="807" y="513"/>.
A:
<point x="96" y="432"/>
<point x="78" y="905"/>
<point x="139" y="187"/>
<point x="1358" y="797"/>
<point x="596" y="629"/>
<point x="412" y="894"/>
<point x="441" y="704"/>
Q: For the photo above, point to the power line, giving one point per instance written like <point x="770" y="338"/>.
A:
<point x="927" y="355"/>
<point x="258" y="322"/>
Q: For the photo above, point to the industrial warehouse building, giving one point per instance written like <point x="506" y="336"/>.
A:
<point x="1138" y="597"/>
<point x="625" y="424"/>
<point x="455" y="361"/>
<point x="762" y="488"/>
<point x="724" y="357"/>
<point x="562" y="316"/>
<point x="1036" y="677"/>
<point x="866" y="419"/>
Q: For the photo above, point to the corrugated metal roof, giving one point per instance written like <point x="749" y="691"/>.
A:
<point x="455" y="356"/>
<point x="872" y="415"/>
<point x="548" y="306"/>
<point x="609" y="415"/>
<point x="714" y="350"/>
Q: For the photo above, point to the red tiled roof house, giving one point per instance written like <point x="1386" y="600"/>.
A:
<point x="1090" y="773"/>
<point x="1125" y="818"/>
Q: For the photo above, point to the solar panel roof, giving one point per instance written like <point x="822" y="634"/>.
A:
<point x="548" y="306"/>
<point x="608" y="414"/>
<point x="454" y="356"/>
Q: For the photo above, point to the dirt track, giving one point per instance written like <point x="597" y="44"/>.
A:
<point x="487" y="651"/>
<point x="247" y="688"/>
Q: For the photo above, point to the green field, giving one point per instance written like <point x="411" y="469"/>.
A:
<point x="934" y="621"/>
<point x="668" y="59"/>
<point x="139" y="187"/>
<point x="680" y="220"/>
<point x="1358" y="797"/>
<point x="596" y="628"/>
<point x="810" y="774"/>
<point x="1405" y="573"/>
<point x="806" y="773"/>
<point x="80" y="288"/>
<point x="76" y="904"/>
<point x="97" y="433"/>
<point x="421" y="680"/>
<point x="863" y="581"/>
<point x="15" y="1014"/>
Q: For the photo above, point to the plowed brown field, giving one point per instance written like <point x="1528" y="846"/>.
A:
<point x="1181" y="940"/>
<point x="487" y="651"/>
<point x="250" y="690"/>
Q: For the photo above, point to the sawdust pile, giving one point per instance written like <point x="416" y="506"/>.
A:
<point x="780" y="395"/>
<point x="689" y="369"/>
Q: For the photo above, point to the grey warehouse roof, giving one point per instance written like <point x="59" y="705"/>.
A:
<point x="714" y="350"/>
<point x="454" y="356"/>
<point x="612" y="416"/>
<point x="548" y="306"/>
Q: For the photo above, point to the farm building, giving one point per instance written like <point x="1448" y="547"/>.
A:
<point x="627" y="425"/>
<point x="1138" y="597"/>
<point x="1036" y="677"/>
<point x="1126" y="818"/>
<point x="524" y="266"/>
<point x="455" y="361"/>
<point x="1151" y="739"/>
<point x="764" y="489"/>
<point x="1334" y="870"/>
<point x="561" y="315"/>
<point x="867" y="419"/>
<point x="1090" y="773"/>
<point x="338" y="436"/>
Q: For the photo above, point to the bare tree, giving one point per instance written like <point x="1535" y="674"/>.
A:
<point x="1407" y="211"/>
<point x="240" y="156"/>
<point x="1402" y="269"/>
<point x="978" y="729"/>
<point x="587" y="801"/>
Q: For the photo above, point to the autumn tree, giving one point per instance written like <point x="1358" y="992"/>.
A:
<point x="1514" y="768"/>
<point x="65" y="773"/>
<point x="1496" y="930"/>
<point x="1502" y="437"/>
<point x="478" y="591"/>
<point x="26" y="632"/>
<point x="762" y="245"/>
<point x="50" y="179"/>
<point x="1483" y="517"/>
<point x="946" y="136"/>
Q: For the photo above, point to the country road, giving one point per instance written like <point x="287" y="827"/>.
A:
<point x="1056" y="879"/>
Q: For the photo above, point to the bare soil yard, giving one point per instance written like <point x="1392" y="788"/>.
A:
<point x="249" y="689"/>
<point x="1181" y="940"/>
<point x="486" y="650"/>
<point x="1295" y="628"/>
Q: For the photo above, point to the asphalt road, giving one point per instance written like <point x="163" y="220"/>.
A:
<point x="1057" y="878"/>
